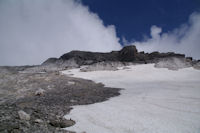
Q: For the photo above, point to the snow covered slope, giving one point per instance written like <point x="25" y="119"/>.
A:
<point x="153" y="101"/>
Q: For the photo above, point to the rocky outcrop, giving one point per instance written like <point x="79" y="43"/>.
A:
<point x="128" y="54"/>
<point x="87" y="58"/>
<point x="157" y="55"/>
<point x="75" y="59"/>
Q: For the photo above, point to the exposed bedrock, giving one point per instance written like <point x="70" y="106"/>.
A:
<point x="128" y="54"/>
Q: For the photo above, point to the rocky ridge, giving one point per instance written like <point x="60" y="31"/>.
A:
<point x="109" y="61"/>
<point x="126" y="54"/>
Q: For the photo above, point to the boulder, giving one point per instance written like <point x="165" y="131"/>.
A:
<point x="38" y="121"/>
<point x="39" y="92"/>
<point x="62" y="123"/>
<point x="23" y="115"/>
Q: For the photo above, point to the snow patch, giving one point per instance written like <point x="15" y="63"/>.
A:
<point x="153" y="101"/>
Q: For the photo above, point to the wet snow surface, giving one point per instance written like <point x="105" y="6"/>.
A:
<point x="153" y="101"/>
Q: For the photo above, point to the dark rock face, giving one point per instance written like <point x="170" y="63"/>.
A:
<point x="126" y="54"/>
<point x="156" y="54"/>
<point x="50" y="60"/>
<point x="87" y="58"/>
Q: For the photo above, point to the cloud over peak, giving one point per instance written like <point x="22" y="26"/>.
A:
<point x="32" y="31"/>
<point x="185" y="39"/>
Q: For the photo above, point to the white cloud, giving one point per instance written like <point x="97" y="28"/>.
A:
<point x="155" y="32"/>
<point x="33" y="30"/>
<point x="185" y="39"/>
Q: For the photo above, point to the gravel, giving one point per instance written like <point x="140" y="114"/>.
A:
<point x="37" y="102"/>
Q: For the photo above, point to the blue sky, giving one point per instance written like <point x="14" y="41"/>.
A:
<point x="133" y="18"/>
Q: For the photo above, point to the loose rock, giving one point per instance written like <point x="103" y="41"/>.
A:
<point x="23" y="115"/>
<point x="38" y="121"/>
<point x="39" y="92"/>
<point x="71" y="82"/>
<point x="62" y="123"/>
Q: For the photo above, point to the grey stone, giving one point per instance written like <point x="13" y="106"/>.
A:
<point x="23" y="115"/>
<point x="39" y="92"/>
<point x="38" y="121"/>
<point x="62" y="122"/>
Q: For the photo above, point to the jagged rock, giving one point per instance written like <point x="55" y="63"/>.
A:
<point x="88" y="58"/>
<point x="128" y="53"/>
<point x="157" y="55"/>
<point x="141" y="56"/>
<point x="103" y="61"/>
<point x="23" y="115"/>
